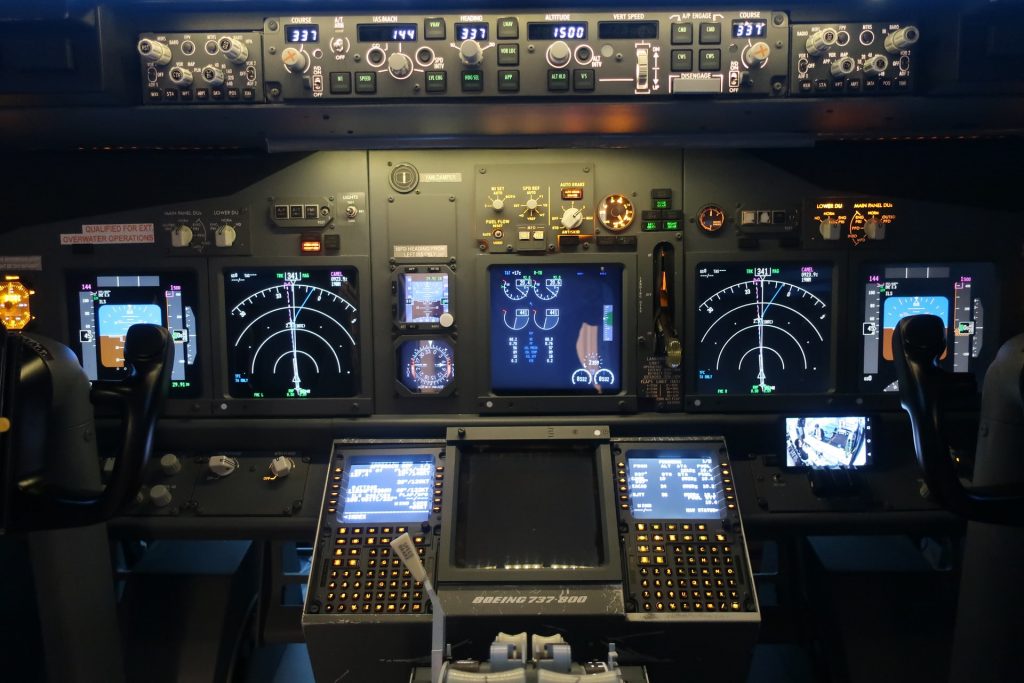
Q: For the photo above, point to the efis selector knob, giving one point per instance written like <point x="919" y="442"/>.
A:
<point x="902" y="39"/>
<point x="876" y="65"/>
<point x="213" y="76"/>
<point x="154" y="51"/>
<point x="294" y="60"/>
<point x="572" y="218"/>
<point x="819" y="42"/>
<point x="757" y="54"/>
<point x="470" y="53"/>
<point x="400" y="65"/>
<point x="180" y="77"/>
<point x="559" y="53"/>
<point x="844" y="66"/>
<point x="234" y="49"/>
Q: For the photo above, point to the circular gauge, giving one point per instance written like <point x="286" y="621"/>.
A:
<point x="518" y="287"/>
<point x="711" y="218"/>
<point x="615" y="212"/>
<point x="547" y="287"/>
<point x="14" y="305"/>
<point x="426" y="366"/>
<point x="763" y="330"/>
<point x="292" y="334"/>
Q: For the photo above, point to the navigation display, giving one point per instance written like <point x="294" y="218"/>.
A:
<point x="381" y="489"/>
<point x="292" y="333"/>
<point x="103" y="307"/>
<point x="828" y="442"/>
<point x="671" y="485"/>
<point x="556" y="329"/>
<point x="763" y="328"/>
<point x="423" y="297"/>
<point x="961" y="294"/>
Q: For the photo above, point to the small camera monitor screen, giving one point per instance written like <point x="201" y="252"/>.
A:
<point x="556" y="329"/>
<point x="667" y="484"/>
<point x="423" y="297"/>
<point x="528" y="509"/>
<point x="821" y="443"/>
<point x="103" y="307"/>
<point x="963" y="295"/>
<point x="382" y="489"/>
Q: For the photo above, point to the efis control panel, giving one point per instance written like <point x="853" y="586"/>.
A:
<point x="199" y="67"/>
<point x="852" y="59"/>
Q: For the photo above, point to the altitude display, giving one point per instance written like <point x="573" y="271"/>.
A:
<point x="292" y="333"/>
<point x="955" y="292"/>
<point x="673" y="485"/>
<point x="103" y="307"/>
<point x="423" y="297"/>
<point x="828" y="442"/>
<point x="426" y="366"/>
<point x="763" y="328"/>
<point x="556" y="329"/>
<point x="387" y="489"/>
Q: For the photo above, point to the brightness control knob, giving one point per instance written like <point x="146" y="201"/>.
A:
<point x="559" y="53"/>
<point x="181" y="236"/>
<point x="170" y="464"/>
<point x="572" y="218"/>
<point x="154" y="52"/>
<point x="213" y="76"/>
<point x="160" y="496"/>
<point x="225" y="235"/>
<point x="294" y="60"/>
<point x="470" y="53"/>
<point x="281" y="466"/>
<point x="757" y="55"/>
<point x="400" y="65"/>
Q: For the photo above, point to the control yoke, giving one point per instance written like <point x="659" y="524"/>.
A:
<point x="918" y="343"/>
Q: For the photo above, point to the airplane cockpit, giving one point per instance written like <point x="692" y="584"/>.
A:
<point x="454" y="342"/>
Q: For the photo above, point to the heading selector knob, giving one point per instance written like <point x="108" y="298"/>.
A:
<point x="294" y="60"/>
<point x="213" y="76"/>
<point x="902" y="39"/>
<point x="234" y="49"/>
<point x="154" y="51"/>
<point x="470" y="53"/>
<point x="400" y="65"/>
<point x="559" y="53"/>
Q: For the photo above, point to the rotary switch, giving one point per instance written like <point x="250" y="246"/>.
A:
<point x="154" y="52"/>
<point x="559" y="53"/>
<point x="902" y="39"/>
<point x="170" y="464"/>
<point x="470" y="53"/>
<point x="294" y="60"/>
<point x="213" y="76"/>
<point x="181" y="236"/>
<point x="234" y="49"/>
<point x="180" y="77"/>
<point x="819" y="42"/>
<point x="876" y="65"/>
<point x="400" y="65"/>
<point x="572" y="218"/>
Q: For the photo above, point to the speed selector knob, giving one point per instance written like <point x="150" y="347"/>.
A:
<point x="213" y="76"/>
<point x="170" y="464"/>
<point x="470" y="53"/>
<point x="559" y="53"/>
<point x="400" y="65"/>
<point x="180" y="77"/>
<point x="294" y="60"/>
<point x="154" y="52"/>
<point x="234" y="49"/>
<point x="902" y="39"/>
<point x="572" y="218"/>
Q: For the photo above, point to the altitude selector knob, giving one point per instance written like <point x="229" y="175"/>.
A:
<point x="400" y="65"/>
<point x="559" y="53"/>
<point x="294" y="60"/>
<point x="470" y="53"/>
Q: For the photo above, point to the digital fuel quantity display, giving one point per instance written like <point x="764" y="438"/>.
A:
<point x="292" y="333"/>
<point x="763" y="328"/>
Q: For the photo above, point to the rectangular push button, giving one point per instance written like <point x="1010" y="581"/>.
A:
<point x="583" y="80"/>
<point x="710" y="34"/>
<point x="508" y="28"/>
<point x="472" y="81"/>
<point x="508" y="80"/>
<point x="508" y="54"/>
<point x="710" y="60"/>
<point x="682" y="60"/>
<point x="436" y="81"/>
<point x="341" y="82"/>
<point x="366" y="82"/>
<point x="558" y="80"/>
<point x="682" y="34"/>
<point x="433" y="28"/>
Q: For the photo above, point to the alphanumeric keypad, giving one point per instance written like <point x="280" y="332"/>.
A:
<point x="365" y="576"/>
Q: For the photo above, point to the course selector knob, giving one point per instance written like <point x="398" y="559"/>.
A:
<point x="154" y="51"/>
<point x="234" y="49"/>
<point x="400" y="65"/>
<point x="757" y="55"/>
<point x="559" y="53"/>
<point x="470" y="53"/>
<point x="294" y="60"/>
<point x="213" y="76"/>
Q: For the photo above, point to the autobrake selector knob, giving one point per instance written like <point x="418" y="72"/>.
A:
<point x="294" y="60"/>
<point x="234" y="49"/>
<point x="180" y="77"/>
<point x="213" y="76"/>
<point x="572" y="218"/>
<point x="154" y="51"/>
<point x="901" y="39"/>
<point x="400" y="64"/>
<point x="470" y="53"/>
<point x="819" y="42"/>
<point x="559" y="53"/>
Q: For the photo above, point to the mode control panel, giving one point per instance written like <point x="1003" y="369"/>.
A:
<point x="201" y="68"/>
<point x="853" y="59"/>
<point x="733" y="53"/>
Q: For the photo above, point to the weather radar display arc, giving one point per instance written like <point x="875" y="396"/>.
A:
<point x="763" y="329"/>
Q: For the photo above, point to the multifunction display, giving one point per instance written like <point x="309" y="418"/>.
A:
<point x="828" y="442"/>
<point x="292" y="332"/>
<point x="961" y="294"/>
<point x="556" y="329"/>
<point x="384" y="489"/>
<point x="103" y="307"/>
<point x="423" y="297"/>
<point x="674" y="485"/>
<point x="763" y="328"/>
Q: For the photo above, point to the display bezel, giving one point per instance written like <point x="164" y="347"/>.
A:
<point x="698" y="402"/>
<point x="404" y="390"/>
<point x="622" y="401"/>
<point x="519" y="437"/>
<point x="870" y="420"/>
<point x="360" y="403"/>
<point x="397" y="302"/>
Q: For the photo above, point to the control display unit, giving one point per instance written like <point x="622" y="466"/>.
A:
<point x="828" y="442"/>
<point x="763" y="328"/>
<point x="672" y="485"/>
<point x="103" y="306"/>
<point x="292" y="333"/>
<point x="426" y="365"/>
<point x="385" y="489"/>
<point x="556" y="329"/>
<point x="963" y="295"/>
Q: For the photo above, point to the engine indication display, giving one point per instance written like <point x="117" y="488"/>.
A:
<point x="556" y="329"/>
<point x="763" y="328"/>
<point x="955" y="292"/>
<point x="292" y="333"/>
<point x="426" y="366"/>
